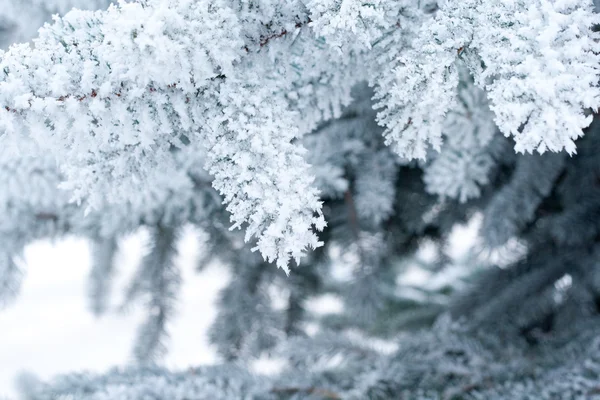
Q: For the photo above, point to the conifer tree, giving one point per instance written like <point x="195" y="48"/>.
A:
<point x="324" y="147"/>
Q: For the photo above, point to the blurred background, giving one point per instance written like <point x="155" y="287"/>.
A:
<point x="54" y="300"/>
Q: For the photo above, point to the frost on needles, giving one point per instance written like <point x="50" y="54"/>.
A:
<point x="330" y="131"/>
<point x="109" y="93"/>
<point x="256" y="115"/>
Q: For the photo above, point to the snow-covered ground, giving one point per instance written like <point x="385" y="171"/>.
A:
<point x="49" y="330"/>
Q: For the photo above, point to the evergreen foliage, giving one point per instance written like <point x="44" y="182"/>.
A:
<point x="347" y="141"/>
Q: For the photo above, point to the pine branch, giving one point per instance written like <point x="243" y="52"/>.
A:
<point x="315" y="391"/>
<point x="103" y="258"/>
<point x="157" y="281"/>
